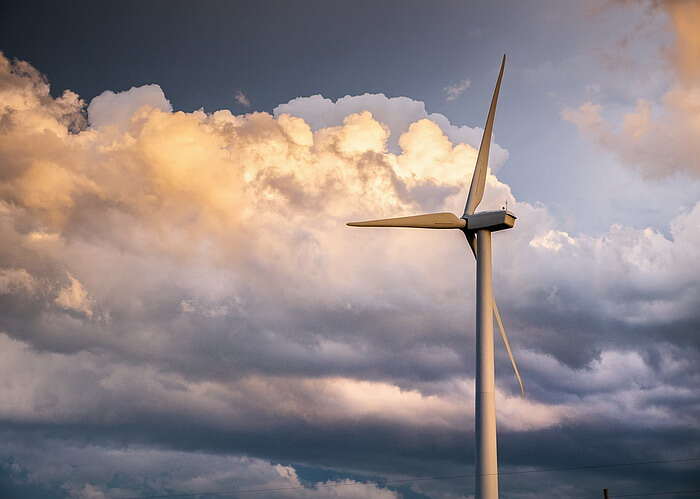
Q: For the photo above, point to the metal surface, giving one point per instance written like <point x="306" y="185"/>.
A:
<point x="471" y="239"/>
<point x="506" y="343"/>
<point x="491" y="220"/>
<point x="476" y="189"/>
<point x="429" y="221"/>
<point x="485" y="403"/>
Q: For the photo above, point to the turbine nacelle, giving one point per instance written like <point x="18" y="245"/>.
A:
<point x="489" y="220"/>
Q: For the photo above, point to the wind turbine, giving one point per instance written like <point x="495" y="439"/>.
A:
<point x="477" y="227"/>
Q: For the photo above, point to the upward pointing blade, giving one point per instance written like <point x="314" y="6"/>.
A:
<point x="476" y="189"/>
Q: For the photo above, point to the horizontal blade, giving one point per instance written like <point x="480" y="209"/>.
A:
<point x="476" y="189"/>
<point x="428" y="221"/>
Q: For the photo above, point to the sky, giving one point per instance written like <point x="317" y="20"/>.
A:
<point x="183" y="310"/>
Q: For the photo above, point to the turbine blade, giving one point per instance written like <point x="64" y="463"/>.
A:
<point x="476" y="189"/>
<point x="428" y="221"/>
<point x="471" y="239"/>
<point x="504" y="337"/>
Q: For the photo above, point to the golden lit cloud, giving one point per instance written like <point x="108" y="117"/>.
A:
<point x="658" y="138"/>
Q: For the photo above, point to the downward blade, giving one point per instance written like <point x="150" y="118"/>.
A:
<point x="476" y="189"/>
<point x="504" y="337"/>
<point x="428" y="221"/>
<point x="471" y="239"/>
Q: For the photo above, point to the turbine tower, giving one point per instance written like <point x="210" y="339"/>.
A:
<point x="477" y="227"/>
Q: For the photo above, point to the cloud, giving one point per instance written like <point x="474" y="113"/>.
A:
<point x="74" y="297"/>
<point x="16" y="281"/>
<point x="165" y="269"/>
<point x="658" y="137"/>
<point x="656" y="141"/>
<point x="116" y="109"/>
<point x="454" y="90"/>
<point x="156" y="471"/>
<point x="397" y="113"/>
<point x="242" y="99"/>
<point x="74" y="388"/>
<point x="684" y="17"/>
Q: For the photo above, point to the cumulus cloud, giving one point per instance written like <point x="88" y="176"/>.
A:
<point x="116" y="109"/>
<point x="193" y="269"/>
<point x="397" y="113"/>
